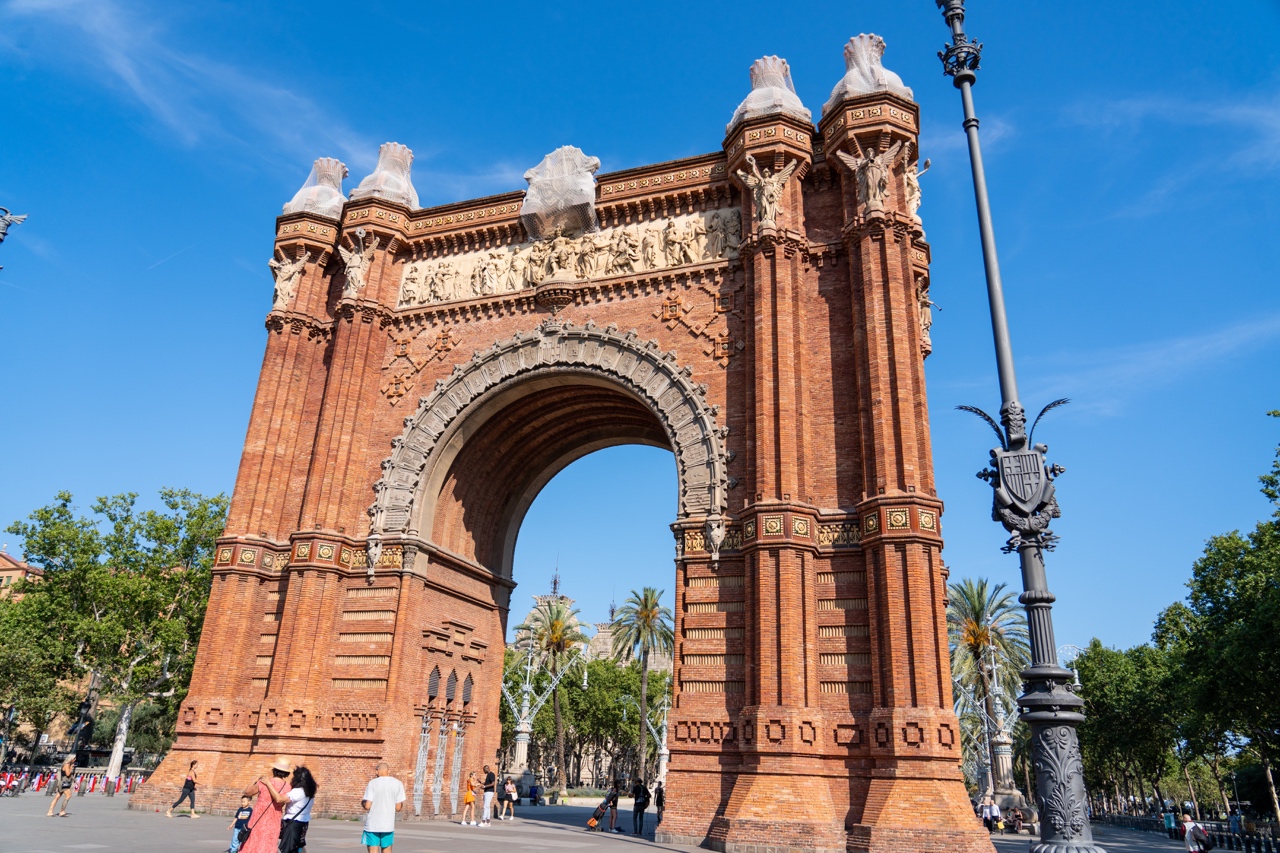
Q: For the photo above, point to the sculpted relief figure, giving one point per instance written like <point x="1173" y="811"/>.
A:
<point x="650" y="248"/>
<point x="626" y="253"/>
<point x="287" y="273"/>
<point x="766" y="188"/>
<point x="872" y="170"/>
<point x="409" y="286"/>
<point x="911" y="178"/>
<point x="684" y="239"/>
<point x="733" y="234"/>
<point x="516" y="275"/>
<point x="697" y="242"/>
<point x="357" y="263"/>
<point x="716" y="236"/>
<point x="926" y="307"/>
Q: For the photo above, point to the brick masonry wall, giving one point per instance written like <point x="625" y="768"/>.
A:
<point x="812" y="694"/>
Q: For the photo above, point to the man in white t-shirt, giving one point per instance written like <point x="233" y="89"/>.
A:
<point x="383" y="797"/>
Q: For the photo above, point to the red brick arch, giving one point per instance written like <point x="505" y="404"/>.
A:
<point x="518" y="413"/>
<point x="785" y="372"/>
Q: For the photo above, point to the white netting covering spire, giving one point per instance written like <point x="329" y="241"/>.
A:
<point x="561" y="195"/>
<point x="864" y="73"/>
<point x="322" y="193"/>
<point x="390" y="178"/>
<point x="772" y="93"/>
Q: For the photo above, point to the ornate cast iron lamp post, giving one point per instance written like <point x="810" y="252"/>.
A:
<point x="1025" y="504"/>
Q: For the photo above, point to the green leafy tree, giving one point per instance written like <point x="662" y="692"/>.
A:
<point x="34" y="664"/>
<point x="987" y="636"/>
<point x="642" y="626"/>
<point x="554" y="630"/>
<point x="128" y="590"/>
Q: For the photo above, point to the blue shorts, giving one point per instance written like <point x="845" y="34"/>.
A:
<point x="378" y="839"/>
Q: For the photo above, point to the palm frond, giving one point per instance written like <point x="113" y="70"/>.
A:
<point x="1061" y="401"/>
<point x="990" y="422"/>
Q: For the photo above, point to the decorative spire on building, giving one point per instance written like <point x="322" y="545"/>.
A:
<point x="390" y="178"/>
<point x="864" y="73"/>
<point x="322" y="192"/>
<point x="561" y="199"/>
<point x="772" y="93"/>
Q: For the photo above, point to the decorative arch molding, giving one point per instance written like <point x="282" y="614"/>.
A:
<point x="421" y="455"/>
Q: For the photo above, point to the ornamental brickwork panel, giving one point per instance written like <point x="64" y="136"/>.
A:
<point x="763" y="312"/>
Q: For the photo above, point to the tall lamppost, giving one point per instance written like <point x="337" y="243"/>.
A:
<point x="1022" y="482"/>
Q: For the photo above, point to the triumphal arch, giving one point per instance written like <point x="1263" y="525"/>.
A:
<point x="763" y="312"/>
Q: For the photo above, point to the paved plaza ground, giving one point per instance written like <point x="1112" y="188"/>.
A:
<point x="95" y="823"/>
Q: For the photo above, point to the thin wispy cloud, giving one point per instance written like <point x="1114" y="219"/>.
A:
<point x="993" y="132"/>
<point x="1245" y="139"/>
<point x="1100" y="381"/>
<point x="198" y="99"/>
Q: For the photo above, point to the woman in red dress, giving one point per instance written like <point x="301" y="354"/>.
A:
<point x="272" y="793"/>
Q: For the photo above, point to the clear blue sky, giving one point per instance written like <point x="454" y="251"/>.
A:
<point x="1131" y="149"/>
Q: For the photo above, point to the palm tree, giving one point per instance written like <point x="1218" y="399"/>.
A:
<point x="555" y="632"/>
<point x="987" y="635"/>
<point x="643" y="625"/>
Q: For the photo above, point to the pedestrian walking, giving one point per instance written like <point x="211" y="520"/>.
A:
<point x="271" y="793"/>
<point x="640" y="795"/>
<point x="297" y="812"/>
<point x="383" y="797"/>
<point x="611" y="800"/>
<point x="469" y="800"/>
<point x="660" y="800"/>
<point x="66" y="774"/>
<point x="507" y="811"/>
<point x="188" y="791"/>
<point x="997" y="819"/>
<point x="986" y="814"/>
<point x="490" y="783"/>
<point x="239" y="823"/>
<point x="1196" y="838"/>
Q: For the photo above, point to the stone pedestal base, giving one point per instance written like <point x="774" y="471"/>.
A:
<point x="903" y="839"/>
<point x="918" y="814"/>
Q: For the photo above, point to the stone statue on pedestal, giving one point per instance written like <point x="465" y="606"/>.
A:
<point x="287" y="273"/>
<point x="357" y="263"/>
<point x="872" y="170"/>
<point x="766" y="188"/>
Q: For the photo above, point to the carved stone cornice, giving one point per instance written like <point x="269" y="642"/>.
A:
<point x="771" y="240"/>
<point x="368" y="311"/>
<point x="877" y="113"/>
<point x="879" y="222"/>
<point x="778" y="139"/>
<point x="317" y="330"/>
<point x="308" y="231"/>
<point x="901" y="516"/>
